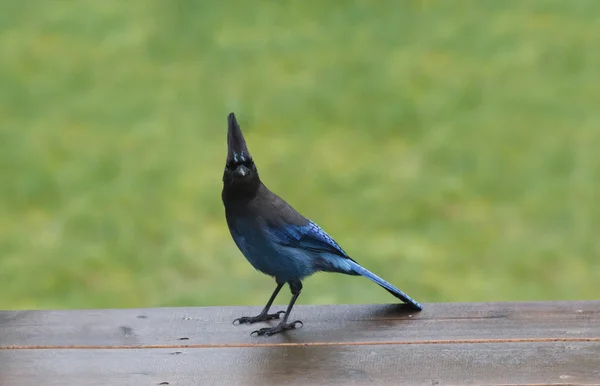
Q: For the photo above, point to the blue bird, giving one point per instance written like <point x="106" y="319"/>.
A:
<point x="277" y="240"/>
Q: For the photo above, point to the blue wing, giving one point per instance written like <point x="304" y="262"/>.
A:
<point x="310" y="237"/>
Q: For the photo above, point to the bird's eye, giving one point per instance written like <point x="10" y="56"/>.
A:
<point x="232" y="165"/>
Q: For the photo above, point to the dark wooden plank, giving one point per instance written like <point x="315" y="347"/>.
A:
<point x="340" y="324"/>
<point x="428" y="364"/>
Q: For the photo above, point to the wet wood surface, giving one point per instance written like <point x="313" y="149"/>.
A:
<point x="448" y="343"/>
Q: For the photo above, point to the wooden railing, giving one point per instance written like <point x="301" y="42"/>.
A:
<point x="449" y="343"/>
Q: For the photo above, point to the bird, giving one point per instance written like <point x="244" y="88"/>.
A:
<point x="276" y="239"/>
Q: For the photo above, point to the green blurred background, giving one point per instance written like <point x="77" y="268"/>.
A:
<point x="451" y="146"/>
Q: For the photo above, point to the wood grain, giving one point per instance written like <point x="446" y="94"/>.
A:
<point x="450" y="343"/>
<point x="211" y="326"/>
<point x="443" y="364"/>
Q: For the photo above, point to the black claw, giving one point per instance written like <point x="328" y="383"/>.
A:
<point x="258" y="318"/>
<point x="278" y="313"/>
<point x="269" y="331"/>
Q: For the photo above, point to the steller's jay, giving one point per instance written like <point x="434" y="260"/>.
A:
<point x="277" y="240"/>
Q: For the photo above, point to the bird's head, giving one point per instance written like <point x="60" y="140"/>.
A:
<point x="240" y="171"/>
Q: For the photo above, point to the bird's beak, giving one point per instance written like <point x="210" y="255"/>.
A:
<point x="242" y="170"/>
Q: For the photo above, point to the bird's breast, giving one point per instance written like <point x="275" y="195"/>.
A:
<point x="266" y="255"/>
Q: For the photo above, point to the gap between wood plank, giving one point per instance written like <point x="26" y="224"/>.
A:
<point x="309" y="344"/>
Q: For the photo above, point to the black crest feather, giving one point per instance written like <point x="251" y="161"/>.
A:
<point x="237" y="151"/>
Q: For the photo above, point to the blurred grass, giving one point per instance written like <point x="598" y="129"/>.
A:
<point x="451" y="146"/>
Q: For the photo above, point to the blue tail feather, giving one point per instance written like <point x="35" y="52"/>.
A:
<point x="390" y="288"/>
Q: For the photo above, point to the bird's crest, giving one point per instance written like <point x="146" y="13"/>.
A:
<point x="237" y="151"/>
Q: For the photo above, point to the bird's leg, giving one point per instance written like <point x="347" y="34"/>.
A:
<point x="295" y="287"/>
<point x="264" y="315"/>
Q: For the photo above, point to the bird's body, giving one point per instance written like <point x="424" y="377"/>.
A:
<point x="279" y="241"/>
<point x="276" y="239"/>
<point x="257" y="230"/>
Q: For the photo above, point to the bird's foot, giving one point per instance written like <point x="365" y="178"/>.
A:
<point x="258" y="318"/>
<point x="268" y="331"/>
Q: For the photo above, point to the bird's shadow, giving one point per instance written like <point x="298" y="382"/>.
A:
<point x="306" y="358"/>
<point x="393" y="311"/>
<point x="306" y="364"/>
